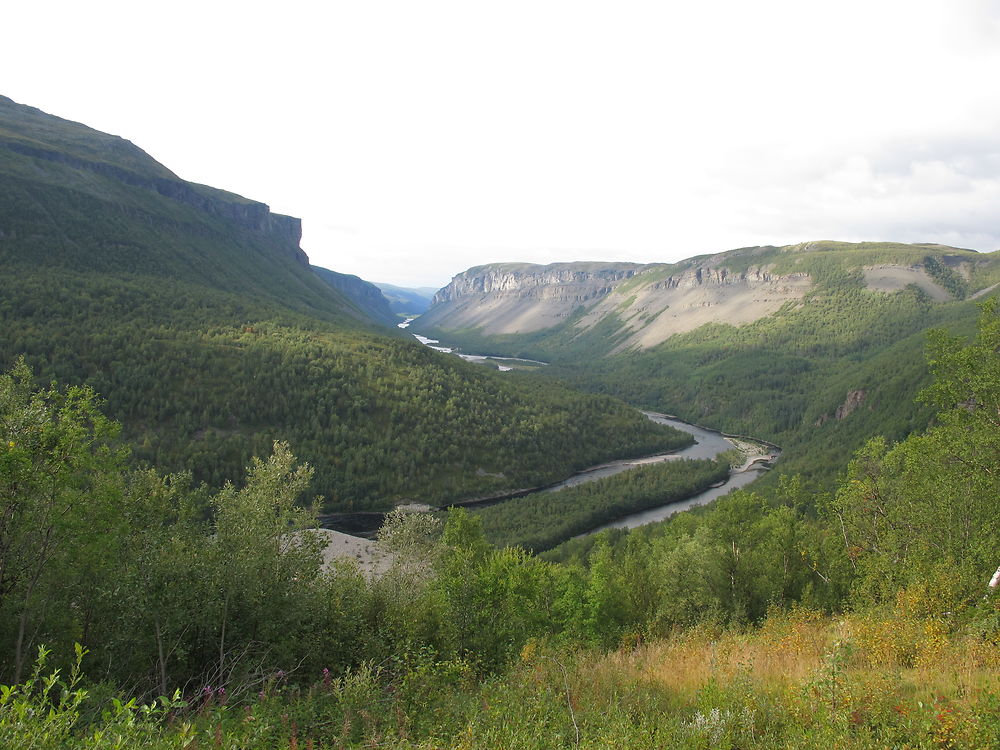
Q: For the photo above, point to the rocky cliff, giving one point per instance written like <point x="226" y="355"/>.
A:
<point x="645" y="304"/>
<point x="521" y="298"/>
<point x="575" y="281"/>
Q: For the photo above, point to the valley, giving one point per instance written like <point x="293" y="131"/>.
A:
<point x="196" y="314"/>
<point x="752" y="459"/>
<point x="185" y="398"/>
<point x="853" y="328"/>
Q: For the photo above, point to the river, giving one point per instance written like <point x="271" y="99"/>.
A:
<point x="478" y="358"/>
<point x="708" y="444"/>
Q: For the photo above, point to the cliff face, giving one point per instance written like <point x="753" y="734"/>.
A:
<point x="708" y="276"/>
<point x="652" y="301"/>
<point x="369" y="299"/>
<point x="522" y="297"/>
<point x="575" y="282"/>
<point x="79" y="201"/>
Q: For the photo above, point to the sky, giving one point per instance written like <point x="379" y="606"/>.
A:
<point x="416" y="139"/>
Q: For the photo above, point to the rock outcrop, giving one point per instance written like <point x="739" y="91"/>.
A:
<point x="853" y="401"/>
<point x="523" y="297"/>
<point x="651" y="301"/>
<point x="577" y="282"/>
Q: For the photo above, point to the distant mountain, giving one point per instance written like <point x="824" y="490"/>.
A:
<point x="194" y="312"/>
<point x="367" y="296"/>
<point x="647" y="304"/>
<point x="815" y="346"/>
<point x="404" y="301"/>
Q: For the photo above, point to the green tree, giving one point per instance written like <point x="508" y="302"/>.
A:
<point x="924" y="510"/>
<point x="60" y="491"/>
<point x="259" y="558"/>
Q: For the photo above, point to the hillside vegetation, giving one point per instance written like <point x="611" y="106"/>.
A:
<point x="196" y="315"/>
<point x="540" y="521"/>
<point x="857" y="619"/>
<point x="818" y="376"/>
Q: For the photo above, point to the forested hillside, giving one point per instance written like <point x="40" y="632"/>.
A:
<point x="818" y="376"/>
<point x="859" y="618"/>
<point x="196" y="315"/>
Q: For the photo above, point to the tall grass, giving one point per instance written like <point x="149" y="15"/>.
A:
<point x="800" y="680"/>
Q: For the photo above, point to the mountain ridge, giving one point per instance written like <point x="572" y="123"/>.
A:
<point x="652" y="302"/>
<point x="742" y="356"/>
<point x="31" y="133"/>
<point x="196" y="315"/>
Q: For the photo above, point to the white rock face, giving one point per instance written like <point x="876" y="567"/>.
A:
<point x="579" y="281"/>
<point x="652" y="303"/>
<point x="704" y="294"/>
<point x="893" y="278"/>
<point x="648" y="303"/>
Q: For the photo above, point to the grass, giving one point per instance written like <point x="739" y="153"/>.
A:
<point x="918" y="658"/>
<point x="801" y="679"/>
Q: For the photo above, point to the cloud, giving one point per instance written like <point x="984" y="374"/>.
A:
<point x="418" y="139"/>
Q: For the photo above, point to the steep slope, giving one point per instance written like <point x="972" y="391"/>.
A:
<point x="521" y="297"/>
<point x="814" y="346"/>
<point x="366" y="296"/>
<point x="197" y="316"/>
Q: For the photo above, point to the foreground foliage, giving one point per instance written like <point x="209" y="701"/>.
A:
<point x="799" y="680"/>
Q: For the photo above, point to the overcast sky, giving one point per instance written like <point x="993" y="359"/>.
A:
<point x="418" y="138"/>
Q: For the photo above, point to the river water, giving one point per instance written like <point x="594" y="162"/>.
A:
<point x="480" y="358"/>
<point x="708" y="444"/>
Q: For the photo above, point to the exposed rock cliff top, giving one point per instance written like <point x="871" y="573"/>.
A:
<point x="652" y="302"/>
<point x="579" y="281"/>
